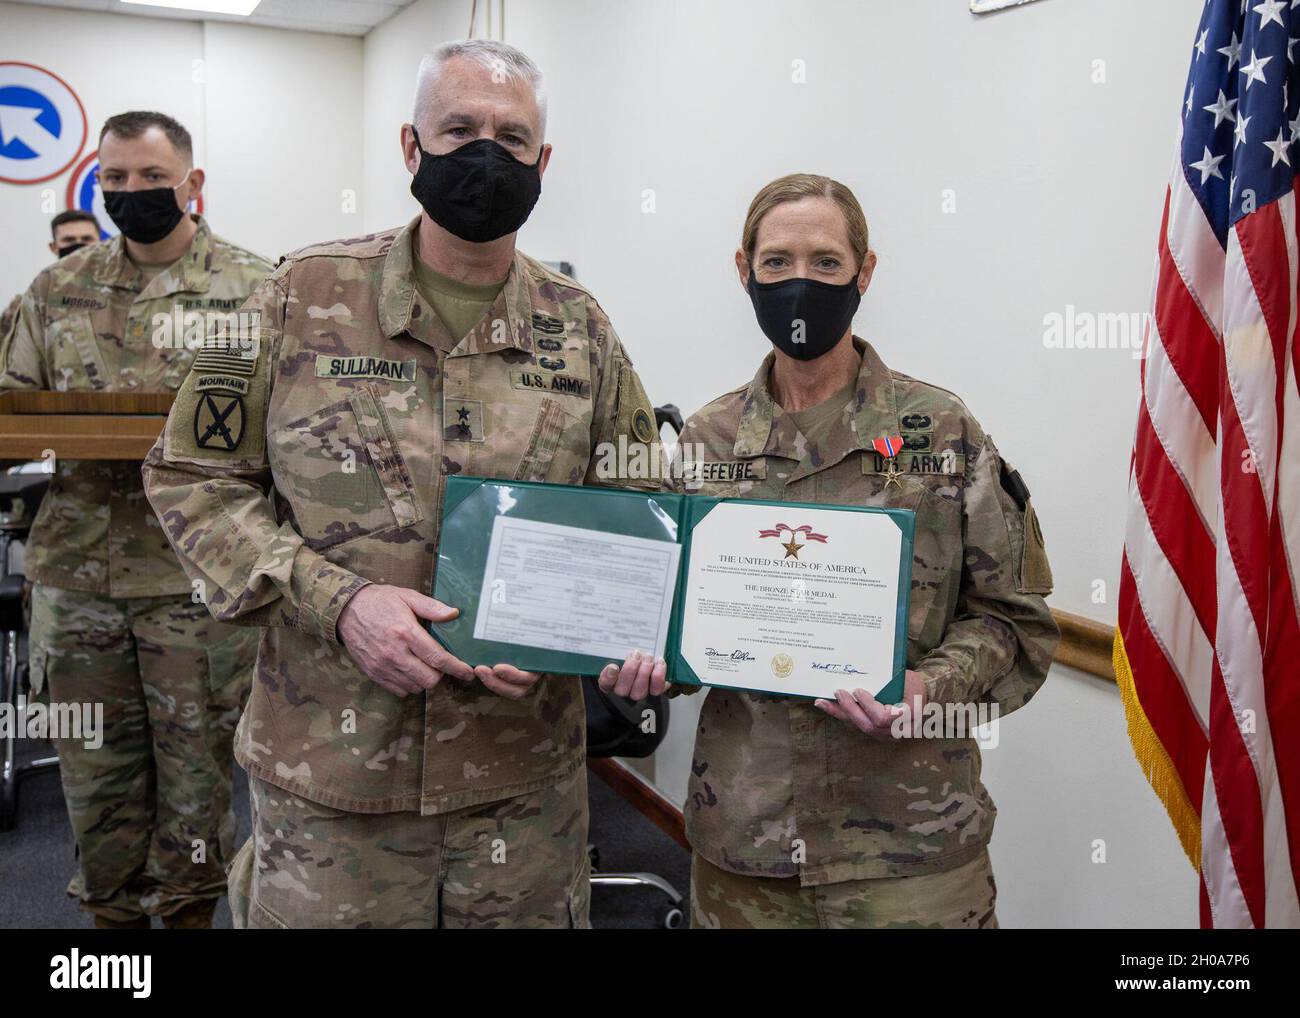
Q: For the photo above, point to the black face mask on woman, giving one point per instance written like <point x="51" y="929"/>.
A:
<point x="145" y="217"/>
<point x="478" y="192"/>
<point x="804" y="318"/>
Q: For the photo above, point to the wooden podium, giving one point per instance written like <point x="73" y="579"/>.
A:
<point x="81" y="425"/>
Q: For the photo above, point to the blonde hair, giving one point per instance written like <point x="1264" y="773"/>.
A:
<point x="795" y="186"/>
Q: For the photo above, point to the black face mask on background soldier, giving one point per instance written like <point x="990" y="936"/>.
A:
<point x="67" y="249"/>
<point x="804" y="318"/>
<point x="145" y="217"/>
<point x="478" y="192"/>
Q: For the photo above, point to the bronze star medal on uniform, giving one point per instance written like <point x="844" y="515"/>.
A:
<point x="889" y="447"/>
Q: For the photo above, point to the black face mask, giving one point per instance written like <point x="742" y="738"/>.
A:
<point x="67" y="249"/>
<point x="804" y="318"/>
<point x="145" y="217"/>
<point x="478" y="192"/>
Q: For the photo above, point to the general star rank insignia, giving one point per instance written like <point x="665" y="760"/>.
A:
<point x="219" y="421"/>
<point x="462" y="419"/>
<point x="890" y="446"/>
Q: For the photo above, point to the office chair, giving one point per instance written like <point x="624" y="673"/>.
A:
<point x="614" y="728"/>
<point x="20" y="497"/>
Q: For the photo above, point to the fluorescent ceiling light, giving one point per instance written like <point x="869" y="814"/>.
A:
<point x="239" y="8"/>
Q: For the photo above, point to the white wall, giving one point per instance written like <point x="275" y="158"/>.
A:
<point x="283" y="110"/>
<point x="1059" y="184"/>
<point x="1064" y="778"/>
<point x="274" y="116"/>
<point x="392" y="56"/>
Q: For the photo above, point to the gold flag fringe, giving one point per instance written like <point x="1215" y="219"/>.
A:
<point x="1155" y="762"/>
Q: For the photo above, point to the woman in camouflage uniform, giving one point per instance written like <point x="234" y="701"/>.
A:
<point x="816" y="813"/>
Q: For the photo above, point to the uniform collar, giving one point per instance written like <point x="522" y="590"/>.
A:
<point x="871" y="412"/>
<point x="403" y="310"/>
<point x="191" y="273"/>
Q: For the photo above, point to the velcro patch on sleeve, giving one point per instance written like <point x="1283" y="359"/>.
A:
<point x="226" y="360"/>
<point x="219" y="422"/>
<point x="221" y="383"/>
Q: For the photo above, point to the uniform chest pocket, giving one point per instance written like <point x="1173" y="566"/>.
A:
<point x="342" y="472"/>
<point x="76" y="362"/>
<point x="936" y="559"/>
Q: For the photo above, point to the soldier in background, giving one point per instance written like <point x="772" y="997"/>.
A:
<point x="71" y="230"/>
<point x="826" y="813"/>
<point x="114" y="618"/>
<point x="391" y="784"/>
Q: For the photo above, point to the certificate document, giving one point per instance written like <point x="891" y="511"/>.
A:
<point x="788" y="598"/>
<point x="616" y="590"/>
<point x="792" y="599"/>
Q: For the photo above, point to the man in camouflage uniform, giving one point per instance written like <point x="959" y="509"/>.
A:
<point x="114" y="618"/>
<point x="809" y="813"/>
<point x="70" y="231"/>
<point x="393" y="786"/>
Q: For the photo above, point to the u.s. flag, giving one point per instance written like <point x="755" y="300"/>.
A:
<point x="1208" y="646"/>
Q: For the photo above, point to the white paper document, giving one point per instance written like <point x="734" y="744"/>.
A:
<point x="581" y="591"/>
<point x="787" y="599"/>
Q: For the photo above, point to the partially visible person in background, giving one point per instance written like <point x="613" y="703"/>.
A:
<point x="72" y="230"/>
<point x="115" y="621"/>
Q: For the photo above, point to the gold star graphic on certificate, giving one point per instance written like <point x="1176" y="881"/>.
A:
<point x="892" y="474"/>
<point x="792" y="549"/>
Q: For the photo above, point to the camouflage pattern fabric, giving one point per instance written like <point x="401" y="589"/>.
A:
<point x="89" y="321"/>
<point x="151" y="806"/>
<point x="356" y="407"/>
<point x="779" y="789"/>
<point x="517" y="863"/>
<point x="9" y="315"/>
<point x="963" y="898"/>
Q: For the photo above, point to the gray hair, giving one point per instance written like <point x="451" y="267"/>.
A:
<point x="503" y="60"/>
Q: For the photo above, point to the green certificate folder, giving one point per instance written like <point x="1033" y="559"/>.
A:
<point x="774" y="597"/>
